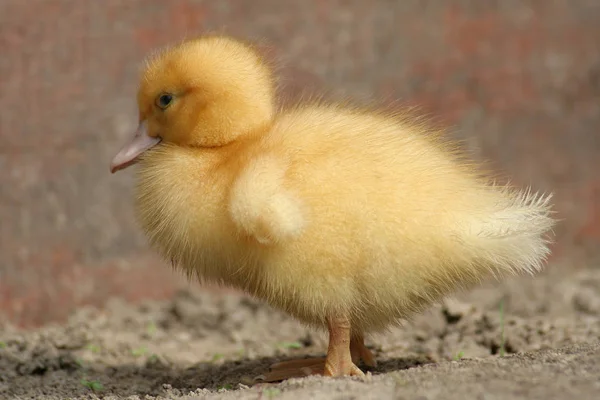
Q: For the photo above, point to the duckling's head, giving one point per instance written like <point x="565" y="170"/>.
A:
<point x="204" y="92"/>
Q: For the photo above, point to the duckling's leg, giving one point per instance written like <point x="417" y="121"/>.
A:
<point x="360" y="352"/>
<point x="339" y="358"/>
<point x="337" y="363"/>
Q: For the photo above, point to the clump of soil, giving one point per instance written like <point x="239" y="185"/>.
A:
<point x="527" y="338"/>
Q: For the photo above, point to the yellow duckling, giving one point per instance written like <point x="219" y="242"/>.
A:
<point x="347" y="219"/>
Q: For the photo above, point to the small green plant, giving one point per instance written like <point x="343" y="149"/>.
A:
<point x="216" y="357"/>
<point x="227" y="386"/>
<point x="459" y="355"/>
<point x="153" y="358"/>
<point x="151" y="329"/>
<point x="93" y="348"/>
<point x="2" y="345"/>
<point x="92" y="385"/>
<point x="140" y="351"/>
<point x="290" y="345"/>
<point x="271" y="392"/>
<point x="399" y="380"/>
<point x="502" y="349"/>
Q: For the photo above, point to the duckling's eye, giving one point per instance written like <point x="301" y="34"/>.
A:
<point x="164" y="100"/>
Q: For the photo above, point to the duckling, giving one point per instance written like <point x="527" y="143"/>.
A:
<point x="348" y="219"/>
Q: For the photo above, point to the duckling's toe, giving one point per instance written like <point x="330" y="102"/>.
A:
<point x="342" y="369"/>
<point x="360" y="352"/>
<point x="310" y="366"/>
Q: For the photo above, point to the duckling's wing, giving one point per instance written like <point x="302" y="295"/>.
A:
<point x="260" y="205"/>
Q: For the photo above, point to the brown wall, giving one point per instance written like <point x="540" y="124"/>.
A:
<point x="520" y="80"/>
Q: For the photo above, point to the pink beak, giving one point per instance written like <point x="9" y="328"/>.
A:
<point x="131" y="151"/>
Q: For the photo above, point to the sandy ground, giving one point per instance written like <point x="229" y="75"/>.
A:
<point x="205" y="346"/>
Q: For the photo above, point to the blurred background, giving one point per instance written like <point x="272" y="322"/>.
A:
<point x="518" y="81"/>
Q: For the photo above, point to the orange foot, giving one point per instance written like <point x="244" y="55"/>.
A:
<point x="309" y="366"/>
<point x="359" y="352"/>
<point x="342" y="356"/>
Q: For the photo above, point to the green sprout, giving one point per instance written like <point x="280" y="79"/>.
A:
<point x="217" y="357"/>
<point x="93" y="385"/>
<point x="399" y="380"/>
<point x="2" y="345"/>
<point x="227" y="386"/>
<point x="291" y="345"/>
<point x="93" y="348"/>
<point x="151" y="329"/>
<point x="140" y="351"/>
<point x="271" y="392"/>
<point x="459" y="355"/>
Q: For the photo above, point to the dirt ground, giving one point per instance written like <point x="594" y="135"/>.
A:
<point x="205" y="346"/>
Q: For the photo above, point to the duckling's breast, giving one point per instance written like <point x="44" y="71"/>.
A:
<point x="181" y="207"/>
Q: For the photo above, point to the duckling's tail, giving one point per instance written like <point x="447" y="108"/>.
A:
<point x="515" y="236"/>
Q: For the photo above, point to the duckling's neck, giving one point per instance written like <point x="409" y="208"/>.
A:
<point x="232" y="123"/>
<point x="232" y="138"/>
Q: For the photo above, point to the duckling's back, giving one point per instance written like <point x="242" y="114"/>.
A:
<point x="390" y="217"/>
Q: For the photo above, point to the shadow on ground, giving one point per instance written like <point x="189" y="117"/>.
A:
<point x="64" y="375"/>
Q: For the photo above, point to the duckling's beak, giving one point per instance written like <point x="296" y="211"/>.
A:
<point x="131" y="151"/>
